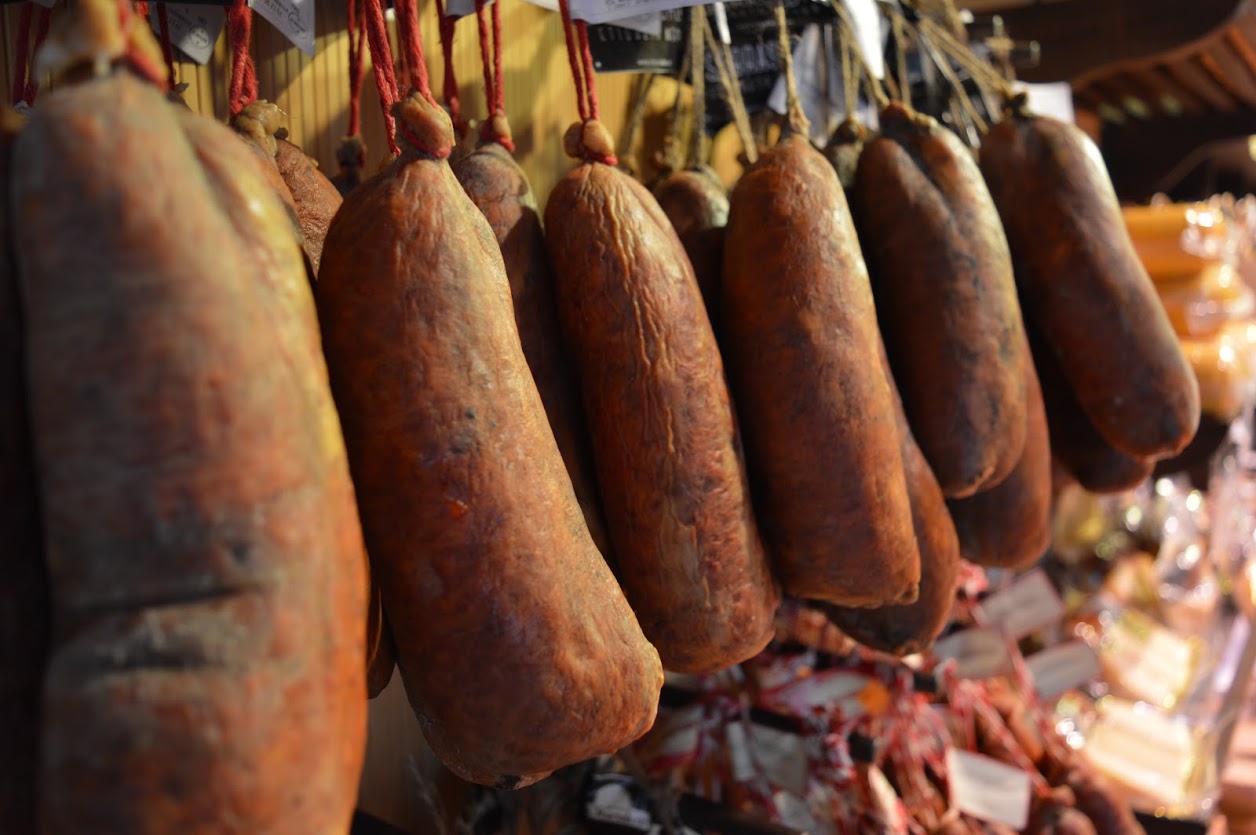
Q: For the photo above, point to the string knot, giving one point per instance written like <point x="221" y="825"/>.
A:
<point x="496" y="128"/>
<point x="424" y="125"/>
<point x="590" y="141"/>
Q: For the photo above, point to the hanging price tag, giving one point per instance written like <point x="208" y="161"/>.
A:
<point x="978" y="653"/>
<point x="654" y="44"/>
<point x="612" y="11"/>
<point x="867" y="22"/>
<point x="194" y="28"/>
<point x="294" y="18"/>
<point x="1063" y="667"/>
<point x="462" y="8"/>
<point x="1028" y="604"/>
<point x="988" y="789"/>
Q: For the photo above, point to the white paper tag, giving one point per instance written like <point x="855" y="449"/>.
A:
<point x="1029" y="603"/>
<point x="462" y="8"/>
<point x="887" y="800"/>
<point x="739" y="752"/>
<point x="194" y="29"/>
<point x="612" y="11"/>
<point x="721" y="24"/>
<point x="867" y="23"/>
<point x="1054" y="100"/>
<point x="294" y="18"/>
<point x="782" y="758"/>
<point x="978" y="652"/>
<point x="1063" y="667"/>
<point x="827" y="690"/>
<point x="988" y="789"/>
<point x="809" y="77"/>
<point x="612" y="803"/>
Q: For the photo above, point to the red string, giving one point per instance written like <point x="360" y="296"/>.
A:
<point x="412" y="42"/>
<point x="137" y="60"/>
<point x="450" y="87"/>
<point x="574" y="62"/>
<point x="499" y="90"/>
<point x="21" y="57"/>
<point x="490" y="92"/>
<point x="582" y="30"/>
<point x="382" y="66"/>
<point x="41" y="33"/>
<point x="491" y="60"/>
<point x="357" y="30"/>
<point x="141" y="8"/>
<point x="243" y="87"/>
<point x="167" y="48"/>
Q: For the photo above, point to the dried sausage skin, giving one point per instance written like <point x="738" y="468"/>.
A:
<point x="518" y="651"/>
<point x="207" y="569"/>
<point x="665" y="438"/>
<point x="946" y="300"/>
<point x="801" y="341"/>
<point x="500" y="190"/>
<point x="1082" y="285"/>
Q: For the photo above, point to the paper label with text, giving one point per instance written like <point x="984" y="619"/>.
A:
<point x="194" y="28"/>
<point x="988" y="789"/>
<point x="978" y="652"/>
<point x="611" y="11"/>
<point x="1063" y="667"/>
<point x="653" y="43"/>
<point x="294" y="18"/>
<point x="1028" y="604"/>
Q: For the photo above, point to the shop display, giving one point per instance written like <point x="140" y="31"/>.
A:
<point x="674" y="513"/>
<point x="946" y="303"/>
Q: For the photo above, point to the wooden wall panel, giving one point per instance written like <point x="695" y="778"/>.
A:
<point x="314" y="92"/>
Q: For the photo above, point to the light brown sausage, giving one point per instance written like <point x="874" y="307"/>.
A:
<point x="664" y="436"/>
<point x="1075" y="443"/>
<point x="911" y="628"/>
<point x="518" y="651"/>
<point x="1009" y="525"/>
<point x="696" y="203"/>
<point x="946" y="300"/>
<point x="500" y="190"/>
<point x="316" y="197"/>
<point x="208" y="574"/>
<point x="1083" y="287"/>
<point x="801" y="341"/>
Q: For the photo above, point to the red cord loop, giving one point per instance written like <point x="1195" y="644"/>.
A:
<point x="243" y="88"/>
<point x="412" y="44"/>
<point x="588" y="139"/>
<point x="449" y="90"/>
<point x="382" y="67"/>
<point x="495" y="128"/>
<point x="357" y="31"/>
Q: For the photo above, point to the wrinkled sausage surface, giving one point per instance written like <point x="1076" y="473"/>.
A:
<point x="800" y="337"/>
<point x="665" y="439"/>
<point x="517" y="649"/>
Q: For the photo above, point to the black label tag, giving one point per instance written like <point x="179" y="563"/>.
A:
<point x="616" y="49"/>
<point x="755" y="51"/>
